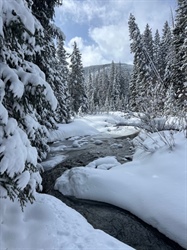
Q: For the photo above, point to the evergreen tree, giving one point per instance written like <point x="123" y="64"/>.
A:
<point x="112" y="83"/>
<point x="116" y="93"/>
<point x="89" y="88"/>
<point x="147" y="40"/>
<point x="179" y="70"/>
<point x="48" y="62"/>
<point x="124" y="86"/>
<point x="23" y="92"/>
<point x="141" y="75"/>
<point x="133" y="89"/>
<point x="76" y="82"/>
<point x="62" y="91"/>
<point x="165" y="49"/>
<point x="157" y="57"/>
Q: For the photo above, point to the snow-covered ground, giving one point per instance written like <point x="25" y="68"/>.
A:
<point x="94" y="125"/>
<point x="49" y="224"/>
<point x="153" y="186"/>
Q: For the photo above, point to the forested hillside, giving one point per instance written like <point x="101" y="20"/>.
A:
<point x="107" y="86"/>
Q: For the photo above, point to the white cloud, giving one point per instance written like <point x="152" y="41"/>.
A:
<point x="108" y="33"/>
<point x="112" y="11"/>
<point x="81" y="11"/>
<point x="113" y="41"/>
<point x="91" y="54"/>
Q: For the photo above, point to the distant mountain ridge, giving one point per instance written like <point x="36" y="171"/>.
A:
<point x="96" y="68"/>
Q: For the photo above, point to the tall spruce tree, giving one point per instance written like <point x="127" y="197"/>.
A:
<point x="23" y="92"/>
<point x="179" y="70"/>
<point x="124" y="78"/>
<point x="157" y="57"/>
<point x="139" y="98"/>
<point x="48" y="61"/>
<point x="62" y="94"/>
<point x="76" y="82"/>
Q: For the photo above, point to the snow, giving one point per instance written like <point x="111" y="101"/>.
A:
<point x="3" y="114"/>
<point x="36" y="79"/>
<point x="104" y="163"/>
<point x="23" y="179"/>
<point x="52" y="162"/>
<point x="8" y="74"/>
<point x="92" y="125"/>
<point x="50" y="224"/>
<point x="75" y="128"/>
<point x="153" y="186"/>
<point x="1" y="19"/>
<point x="16" y="153"/>
<point x="22" y="12"/>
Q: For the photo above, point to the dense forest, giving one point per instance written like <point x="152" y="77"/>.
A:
<point x="38" y="89"/>
<point x="107" y="86"/>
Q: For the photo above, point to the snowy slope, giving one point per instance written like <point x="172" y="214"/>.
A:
<point x="96" y="68"/>
<point x="50" y="224"/>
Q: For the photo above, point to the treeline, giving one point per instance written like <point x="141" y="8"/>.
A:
<point x="159" y="79"/>
<point x="107" y="87"/>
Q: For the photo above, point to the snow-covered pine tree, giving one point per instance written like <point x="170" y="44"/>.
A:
<point x="76" y="82"/>
<point x="179" y="70"/>
<point x="166" y="72"/>
<point x="165" y="46"/>
<point x="89" y="88"/>
<point x="111" y="87"/>
<point x="104" y="89"/>
<point x="116" y="90"/>
<point x="124" y="86"/>
<point x="62" y="94"/>
<point x="141" y="75"/>
<point x="133" y="90"/>
<point x="148" y="41"/>
<point x="149" y="79"/>
<point x="23" y="92"/>
<point x="157" y="57"/>
<point x="46" y="59"/>
<point x="98" y="92"/>
<point x="184" y="69"/>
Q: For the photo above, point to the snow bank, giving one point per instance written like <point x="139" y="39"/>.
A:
<point x="75" y="128"/>
<point x="52" y="162"/>
<point x="92" y="125"/>
<point x="153" y="187"/>
<point x="50" y="224"/>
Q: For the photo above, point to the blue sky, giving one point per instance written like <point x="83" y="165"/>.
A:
<point x="100" y="27"/>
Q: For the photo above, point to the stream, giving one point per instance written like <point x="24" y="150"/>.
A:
<point x="115" y="221"/>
